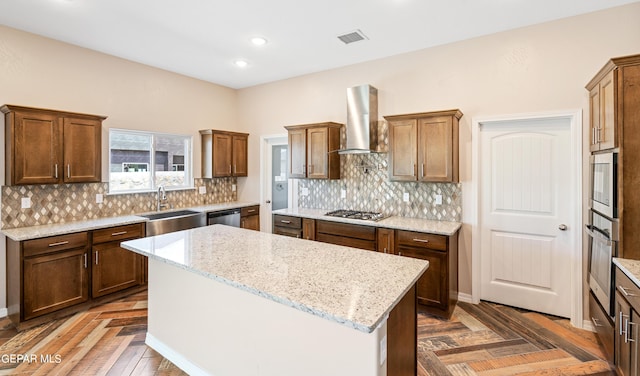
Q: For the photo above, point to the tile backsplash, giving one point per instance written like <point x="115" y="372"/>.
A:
<point x="365" y="180"/>
<point x="73" y="202"/>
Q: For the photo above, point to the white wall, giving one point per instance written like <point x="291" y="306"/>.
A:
<point x="533" y="69"/>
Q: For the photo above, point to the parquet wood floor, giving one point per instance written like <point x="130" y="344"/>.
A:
<point x="485" y="339"/>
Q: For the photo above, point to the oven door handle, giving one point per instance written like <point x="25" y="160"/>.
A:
<point x="597" y="235"/>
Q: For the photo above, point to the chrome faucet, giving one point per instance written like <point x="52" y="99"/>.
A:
<point x="162" y="201"/>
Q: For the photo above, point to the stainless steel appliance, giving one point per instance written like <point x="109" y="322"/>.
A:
<point x="362" y="120"/>
<point x="355" y="214"/>
<point x="603" y="246"/>
<point x="604" y="188"/>
<point x="229" y="217"/>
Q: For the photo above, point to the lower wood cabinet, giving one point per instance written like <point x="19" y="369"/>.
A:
<point x="287" y="225"/>
<point x="250" y="217"/>
<point x="385" y="240"/>
<point x="627" y="332"/>
<point x="308" y="229"/>
<point x="603" y="326"/>
<point x="350" y="235"/>
<point x="58" y="273"/>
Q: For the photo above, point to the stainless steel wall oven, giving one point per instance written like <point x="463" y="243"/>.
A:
<point x="604" y="187"/>
<point x="603" y="246"/>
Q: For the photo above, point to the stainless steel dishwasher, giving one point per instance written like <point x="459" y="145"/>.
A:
<point x="229" y="217"/>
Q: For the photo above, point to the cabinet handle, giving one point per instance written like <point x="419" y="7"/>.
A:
<point x="415" y="170"/>
<point x="630" y="325"/>
<point x="230" y="169"/>
<point x="68" y="170"/>
<point x="400" y="253"/>
<point x="304" y="169"/>
<point x="384" y="250"/>
<point x="625" y="292"/>
<point x="85" y="260"/>
<point x="421" y="240"/>
<point x="56" y="170"/>
<point x="251" y="210"/>
<point x="96" y="257"/>
<point x="59" y="243"/>
<point x="595" y="322"/>
<point x="285" y="222"/>
<point x="620" y="327"/>
<point x="422" y="170"/>
<point x="118" y="233"/>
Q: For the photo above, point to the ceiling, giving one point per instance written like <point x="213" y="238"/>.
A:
<point x="203" y="38"/>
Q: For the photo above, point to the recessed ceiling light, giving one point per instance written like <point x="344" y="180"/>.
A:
<point x="259" y="41"/>
<point x="241" y="63"/>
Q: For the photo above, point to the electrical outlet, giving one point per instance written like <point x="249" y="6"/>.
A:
<point x="26" y="202"/>
<point x="438" y="199"/>
<point x="405" y="197"/>
<point x="343" y="193"/>
<point x="305" y="191"/>
<point x="202" y="190"/>
<point x="233" y="187"/>
<point x="99" y="198"/>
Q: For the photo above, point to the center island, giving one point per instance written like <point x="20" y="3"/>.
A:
<point x="228" y="301"/>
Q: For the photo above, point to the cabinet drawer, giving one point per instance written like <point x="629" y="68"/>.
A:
<point x="117" y="233"/>
<point x="286" y="221"/>
<point x="54" y="243"/>
<point x="286" y="231"/>
<point x="251" y="210"/>
<point x="422" y="240"/>
<point x="346" y="229"/>
<point x="628" y="289"/>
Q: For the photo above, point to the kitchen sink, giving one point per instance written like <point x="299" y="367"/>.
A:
<point x="164" y="222"/>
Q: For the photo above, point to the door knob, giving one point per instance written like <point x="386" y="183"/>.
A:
<point x="562" y="227"/>
<point x="268" y="201"/>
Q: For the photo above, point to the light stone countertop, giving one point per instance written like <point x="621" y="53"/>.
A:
<point x="631" y="268"/>
<point x="353" y="287"/>
<point x="34" y="232"/>
<point x="399" y="223"/>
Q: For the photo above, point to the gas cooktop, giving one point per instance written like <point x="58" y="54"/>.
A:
<point x="355" y="214"/>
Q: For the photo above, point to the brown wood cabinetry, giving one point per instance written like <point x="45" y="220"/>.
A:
<point x="287" y="225"/>
<point x="224" y="153"/>
<point x="602" y="324"/>
<point x="438" y="286"/>
<point x="51" y="147"/>
<point x="308" y="229"/>
<point x="627" y="332"/>
<point x="312" y="150"/>
<point x="113" y="267"/>
<point x="424" y="146"/>
<point x="250" y="217"/>
<point x="602" y="112"/>
<point x="350" y="235"/>
<point x="385" y="240"/>
<point x="57" y="274"/>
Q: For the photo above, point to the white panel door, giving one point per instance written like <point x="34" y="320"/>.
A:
<point x="525" y="183"/>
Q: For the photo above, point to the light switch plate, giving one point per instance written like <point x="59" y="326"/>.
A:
<point x="26" y="202"/>
<point x="202" y="190"/>
<point x="438" y="199"/>
<point x="233" y="187"/>
<point x="343" y="193"/>
<point x="99" y="198"/>
<point x="305" y="191"/>
<point x="405" y="197"/>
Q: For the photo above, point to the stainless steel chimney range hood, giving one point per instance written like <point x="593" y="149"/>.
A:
<point x="362" y="120"/>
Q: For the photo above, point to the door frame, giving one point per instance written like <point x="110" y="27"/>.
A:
<point x="575" y="121"/>
<point x="266" y="145"/>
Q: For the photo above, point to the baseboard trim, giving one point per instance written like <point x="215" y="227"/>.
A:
<point x="467" y="298"/>
<point x="588" y="325"/>
<point x="174" y="357"/>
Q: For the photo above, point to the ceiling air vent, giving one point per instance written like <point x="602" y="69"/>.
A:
<point x="351" y="37"/>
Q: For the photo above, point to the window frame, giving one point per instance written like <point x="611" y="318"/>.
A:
<point x="188" y="161"/>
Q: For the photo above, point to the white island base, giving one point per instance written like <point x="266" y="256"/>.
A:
<point x="206" y="327"/>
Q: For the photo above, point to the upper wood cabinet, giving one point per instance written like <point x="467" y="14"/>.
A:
<point x="424" y="146"/>
<point x="224" y="153"/>
<point x="312" y="150"/>
<point x="51" y="147"/>
<point x="602" y="112"/>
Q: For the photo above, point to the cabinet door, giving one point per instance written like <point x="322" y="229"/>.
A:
<point x="594" y="118"/>
<point x="55" y="281"/>
<point x="114" y="269"/>
<point x="82" y="150"/>
<point x="240" y="155"/>
<point x="298" y="153"/>
<point x="37" y="143"/>
<point x="622" y="344"/>
<point x="386" y="240"/>
<point x="308" y="229"/>
<point x="403" y="146"/>
<point x="432" y="286"/>
<point x="251" y="222"/>
<point x="607" y="128"/>
<point x="222" y="163"/>
<point x="435" y="149"/>
<point x="317" y="149"/>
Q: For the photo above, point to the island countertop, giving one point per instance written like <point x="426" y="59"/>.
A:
<point x="353" y="287"/>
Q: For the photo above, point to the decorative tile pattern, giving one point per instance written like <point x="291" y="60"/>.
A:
<point x="60" y="203"/>
<point x="366" y="181"/>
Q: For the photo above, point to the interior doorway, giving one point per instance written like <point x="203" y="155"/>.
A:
<point x="277" y="189"/>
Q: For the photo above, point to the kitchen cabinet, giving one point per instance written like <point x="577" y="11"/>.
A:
<point x="113" y="267"/>
<point x="308" y="229"/>
<point x="224" y="153"/>
<point x="627" y="304"/>
<point x="346" y="234"/>
<point x="603" y="128"/>
<point x="437" y="289"/>
<point x="424" y="146"/>
<point x="312" y="150"/>
<point x="287" y="225"/>
<point x="385" y="241"/>
<point x="603" y="325"/>
<point x="250" y="217"/>
<point x="51" y="147"/>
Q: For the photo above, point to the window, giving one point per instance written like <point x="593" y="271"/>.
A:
<point x="143" y="161"/>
